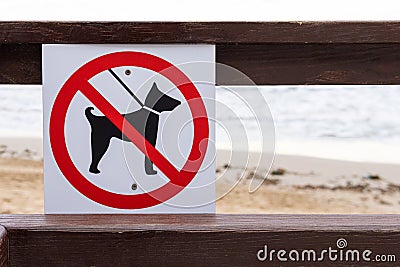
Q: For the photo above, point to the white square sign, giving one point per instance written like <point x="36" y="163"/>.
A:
<point x="129" y="128"/>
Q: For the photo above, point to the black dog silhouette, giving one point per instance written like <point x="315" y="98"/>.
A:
<point x="145" y="120"/>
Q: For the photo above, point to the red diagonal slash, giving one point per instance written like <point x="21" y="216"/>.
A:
<point x="127" y="129"/>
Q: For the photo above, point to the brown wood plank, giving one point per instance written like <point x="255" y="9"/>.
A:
<point x="289" y="64"/>
<point x="200" y="32"/>
<point x="20" y="64"/>
<point x="180" y="240"/>
<point x="150" y="248"/>
<point x="265" y="64"/>
<point x="3" y="247"/>
<point x="248" y="222"/>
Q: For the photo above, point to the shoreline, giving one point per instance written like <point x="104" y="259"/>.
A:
<point x="21" y="147"/>
<point x="18" y="146"/>
<point x="297" y="184"/>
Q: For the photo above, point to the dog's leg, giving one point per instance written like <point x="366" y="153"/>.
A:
<point x="148" y="165"/>
<point x="151" y="136"/>
<point x="100" y="145"/>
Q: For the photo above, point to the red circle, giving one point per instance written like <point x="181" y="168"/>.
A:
<point x="142" y="60"/>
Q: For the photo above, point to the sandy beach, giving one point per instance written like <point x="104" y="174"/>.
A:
<point x="298" y="184"/>
<point x="312" y="185"/>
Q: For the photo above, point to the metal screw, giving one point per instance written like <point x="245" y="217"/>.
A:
<point x="128" y="72"/>
<point x="134" y="187"/>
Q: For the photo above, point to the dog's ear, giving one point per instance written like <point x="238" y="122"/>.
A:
<point x="153" y="96"/>
<point x="159" y="101"/>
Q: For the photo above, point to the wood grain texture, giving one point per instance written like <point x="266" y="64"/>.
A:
<point x="265" y="64"/>
<point x="200" y="32"/>
<point x="248" y="222"/>
<point x="3" y="247"/>
<point x="20" y="64"/>
<point x="180" y="240"/>
<point x="150" y="248"/>
<point x="292" y="64"/>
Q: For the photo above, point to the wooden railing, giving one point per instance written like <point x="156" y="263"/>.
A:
<point x="187" y="240"/>
<point x="269" y="53"/>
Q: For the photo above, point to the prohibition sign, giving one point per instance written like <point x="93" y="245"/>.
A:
<point x="79" y="81"/>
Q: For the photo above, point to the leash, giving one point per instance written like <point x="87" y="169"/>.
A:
<point x="132" y="94"/>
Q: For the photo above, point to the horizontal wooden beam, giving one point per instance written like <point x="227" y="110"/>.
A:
<point x="3" y="247"/>
<point x="265" y="64"/>
<point x="200" y="32"/>
<point x="20" y="64"/>
<point x="222" y="222"/>
<point x="293" y="64"/>
<point x="180" y="240"/>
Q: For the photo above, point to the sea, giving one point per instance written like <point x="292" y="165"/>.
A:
<point x="357" y="123"/>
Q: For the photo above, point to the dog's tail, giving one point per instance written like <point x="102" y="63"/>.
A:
<point x="89" y="114"/>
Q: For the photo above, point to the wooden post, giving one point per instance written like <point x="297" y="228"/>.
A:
<point x="3" y="247"/>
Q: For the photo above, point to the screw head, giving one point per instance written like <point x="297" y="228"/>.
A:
<point x="128" y="72"/>
<point x="134" y="187"/>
